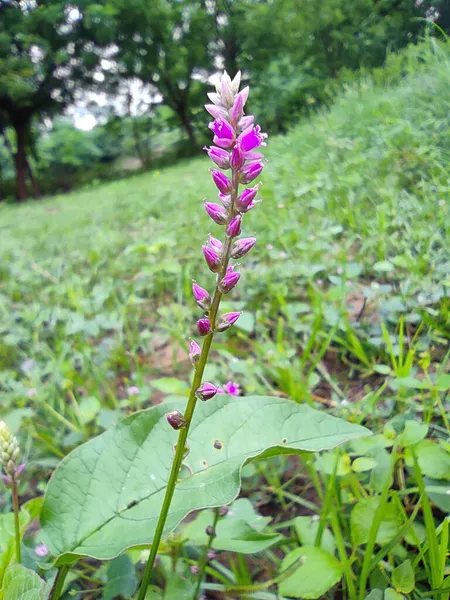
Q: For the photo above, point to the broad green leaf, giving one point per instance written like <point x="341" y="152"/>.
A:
<point x="170" y="385"/>
<point x="362" y="516"/>
<point x="375" y="595"/>
<point x="22" y="584"/>
<point x="433" y="459"/>
<point x="121" y="578"/>
<point x="439" y="493"/>
<point x="317" y="572"/>
<point x="413" y="433"/>
<point x="7" y="532"/>
<point x="178" y="588"/>
<point x="307" y="528"/>
<point x="241" y="530"/>
<point x="89" y="408"/>
<point x="106" y="495"/>
<point x="383" y="266"/>
<point x="390" y="594"/>
<point x="403" y="577"/>
<point x="363" y="463"/>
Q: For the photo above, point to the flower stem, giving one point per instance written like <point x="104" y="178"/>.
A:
<point x="204" y="558"/>
<point x="190" y="407"/>
<point x="16" y="508"/>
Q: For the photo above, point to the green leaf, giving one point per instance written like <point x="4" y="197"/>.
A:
<point x="241" y="530"/>
<point x="390" y="594"/>
<point x="375" y="595"/>
<point x="170" y="385"/>
<point x="439" y="493"/>
<point x="383" y="266"/>
<point x="363" y="463"/>
<point x="433" y="459"/>
<point x="22" y="584"/>
<point x="317" y="573"/>
<point x="403" y="577"/>
<point x="106" y="495"/>
<point x="307" y="528"/>
<point x="178" y="588"/>
<point x="121" y="578"/>
<point x="363" y="515"/>
<point x="89" y="408"/>
<point x="413" y="433"/>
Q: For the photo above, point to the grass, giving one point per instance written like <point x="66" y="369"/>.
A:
<point x="346" y="295"/>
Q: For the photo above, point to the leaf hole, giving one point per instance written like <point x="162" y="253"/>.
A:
<point x="218" y="445"/>
<point x="284" y="441"/>
<point x="204" y="463"/>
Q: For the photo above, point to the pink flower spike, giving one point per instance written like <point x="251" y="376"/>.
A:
<point x="246" y="198"/>
<point x="217" y="213"/>
<point x="242" y="246"/>
<point x="237" y="159"/>
<point x="229" y="281"/>
<point x="232" y="388"/>
<point x="234" y="227"/>
<point x="215" y="244"/>
<point x="212" y="259"/>
<point x="194" y="352"/>
<point x="206" y="391"/>
<point x="227" y="320"/>
<point x="201" y="296"/>
<point x="218" y="155"/>
<point x="224" y="135"/>
<point x="204" y="326"/>
<point x="250" y="171"/>
<point x="217" y="112"/>
<point x="221" y="181"/>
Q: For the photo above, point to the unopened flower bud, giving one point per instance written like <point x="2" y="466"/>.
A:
<point x="204" y="326"/>
<point x="226" y="200"/>
<point x="250" y="171"/>
<point x="235" y="83"/>
<point x="218" y="155"/>
<point x="212" y="259"/>
<point x="242" y="246"/>
<point x="206" y="391"/>
<point x="201" y="296"/>
<point x="237" y="159"/>
<point x="211" y="555"/>
<point x="227" y="320"/>
<point x="218" y="112"/>
<point x="246" y="198"/>
<point x="237" y="110"/>
<point x="226" y="94"/>
<point x="210" y="531"/>
<point x="216" y="212"/>
<point x="224" y="510"/>
<point x="9" y="450"/>
<point x="215" y="244"/>
<point x="234" y="227"/>
<point x="222" y="182"/>
<point x="229" y="281"/>
<point x="194" y="569"/>
<point x="245" y="122"/>
<point x="176" y="419"/>
<point x="194" y="352"/>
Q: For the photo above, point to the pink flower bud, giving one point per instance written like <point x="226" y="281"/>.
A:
<point x="224" y="135"/>
<point x="250" y="171"/>
<point x="226" y="200"/>
<point x="242" y="246"/>
<point x="212" y="259"/>
<point x="220" y="156"/>
<point x="245" y="122"/>
<point x="246" y="198"/>
<point x="252" y="138"/>
<point x="194" y="569"/>
<point x="227" y="320"/>
<point x="237" y="157"/>
<point x="7" y="480"/>
<point x="237" y="110"/>
<point x="226" y="94"/>
<point x="224" y="510"/>
<point x="41" y="550"/>
<point x="176" y="419"/>
<point x="206" y="391"/>
<point x="201" y="296"/>
<point x="19" y="470"/>
<point x="216" y="212"/>
<point x="194" y="352"/>
<point x="229" y="281"/>
<point x="133" y="390"/>
<point x="210" y="531"/>
<point x="215" y="244"/>
<point x="218" y="112"/>
<point x="211" y="555"/>
<point x="234" y="227"/>
<point x="222" y="182"/>
<point x="204" y="326"/>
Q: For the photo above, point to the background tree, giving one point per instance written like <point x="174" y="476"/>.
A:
<point x="46" y="50"/>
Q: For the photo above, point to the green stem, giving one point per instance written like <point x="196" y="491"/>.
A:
<point x="59" y="583"/>
<point x="190" y="407"/>
<point x="204" y="559"/>
<point x="16" y="508"/>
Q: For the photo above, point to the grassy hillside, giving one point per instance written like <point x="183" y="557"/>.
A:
<point x="352" y="262"/>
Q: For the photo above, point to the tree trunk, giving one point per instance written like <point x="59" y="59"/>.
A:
<point x="20" y="157"/>
<point x="186" y="121"/>
<point x="34" y="181"/>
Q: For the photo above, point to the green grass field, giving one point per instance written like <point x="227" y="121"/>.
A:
<point x="345" y="297"/>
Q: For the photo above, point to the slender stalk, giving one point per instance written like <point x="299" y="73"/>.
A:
<point x="58" y="584"/>
<point x="204" y="558"/>
<point x="16" y="508"/>
<point x="190" y="407"/>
